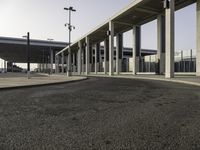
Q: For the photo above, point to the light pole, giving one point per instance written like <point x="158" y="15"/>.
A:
<point x="51" y="57"/>
<point x="70" y="27"/>
<point x="28" y="53"/>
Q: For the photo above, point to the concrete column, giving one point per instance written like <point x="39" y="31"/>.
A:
<point x="69" y="62"/>
<point x="74" y="62"/>
<point x="95" y="60"/>
<point x="87" y="49"/>
<point x="106" y="48"/>
<point x="111" y="47"/>
<point x="5" y="66"/>
<point x="51" y="57"/>
<point x="169" y="66"/>
<point x="160" y="60"/>
<point x="66" y="64"/>
<point x="136" y="48"/>
<point x="79" y="58"/>
<point x="98" y="56"/>
<point x="198" y="40"/>
<point x="62" y="61"/>
<point x="119" y="47"/>
<point x="56" y="64"/>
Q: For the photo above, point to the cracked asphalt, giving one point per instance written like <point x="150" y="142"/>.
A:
<point x="101" y="114"/>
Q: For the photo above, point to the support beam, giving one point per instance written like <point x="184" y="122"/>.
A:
<point x="169" y="14"/>
<point x="87" y="49"/>
<point x="119" y="48"/>
<point x="136" y="48"/>
<point x="160" y="59"/>
<point x="198" y="39"/>
<point x="147" y="10"/>
<point x="111" y="48"/>
<point x="79" y="57"/>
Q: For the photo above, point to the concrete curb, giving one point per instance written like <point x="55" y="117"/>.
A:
<point x="40" y="85"/>
<point x="149" y="78"/>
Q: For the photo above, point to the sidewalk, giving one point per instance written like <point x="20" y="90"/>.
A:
<point x="186" y="79"/>
<point x="8" y="81"/>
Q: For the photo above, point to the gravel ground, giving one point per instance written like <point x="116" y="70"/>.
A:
<point x="101" y="114"/>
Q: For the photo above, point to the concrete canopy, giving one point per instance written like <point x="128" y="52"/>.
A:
<point x="15" y="49"/>
<point x="138" y="12"/>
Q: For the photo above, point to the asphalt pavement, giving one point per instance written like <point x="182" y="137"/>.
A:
<point x="101" y="114"/>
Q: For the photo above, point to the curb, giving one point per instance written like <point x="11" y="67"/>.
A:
<point x="155" y="79"/>
<point x="40" y="85"/>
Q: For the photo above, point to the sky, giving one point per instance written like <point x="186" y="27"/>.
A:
<point x="46" y="18"/>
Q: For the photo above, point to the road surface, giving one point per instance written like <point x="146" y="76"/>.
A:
<point x="101" y="114"/>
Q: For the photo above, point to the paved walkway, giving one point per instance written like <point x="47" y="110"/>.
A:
<point x="186" y="79"/>
<point x="15" y="80"/>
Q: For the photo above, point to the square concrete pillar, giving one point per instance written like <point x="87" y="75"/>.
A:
<point x="5" y="66"/>
<point x="160" y="59"/>
<point x="198" y="40"/>
<point x="136" y="48"/>
<point x="66" y="59"/>
<point x="87" y="49"/>
<point x="169" y="20"/>
<point x="79" y="57"/>
<point x="51" y="59"/>
<point x="69" y="64"/>
<point x="97" y="53"/>
<point x="106" y="49"/>
<point x="62" y="61"/>
<point x="98" y="56"/>
<point x="95" y="59"/>
<point x="111" y="47"/>
<point x="119" y="51"/>
<point x="56" y="64"/>
<point x="74" y="62"/>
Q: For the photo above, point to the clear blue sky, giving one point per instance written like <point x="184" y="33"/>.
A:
<point x="46" y="18"/>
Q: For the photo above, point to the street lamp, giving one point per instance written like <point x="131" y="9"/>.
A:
<point x="70" y="27"/>
<point x="28" y="53"/>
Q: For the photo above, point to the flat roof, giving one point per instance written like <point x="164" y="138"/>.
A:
<point x="15" y="49"/>
<point x="138" y="12"/>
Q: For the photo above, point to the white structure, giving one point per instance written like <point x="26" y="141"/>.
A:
<point x="132" y="17"/>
